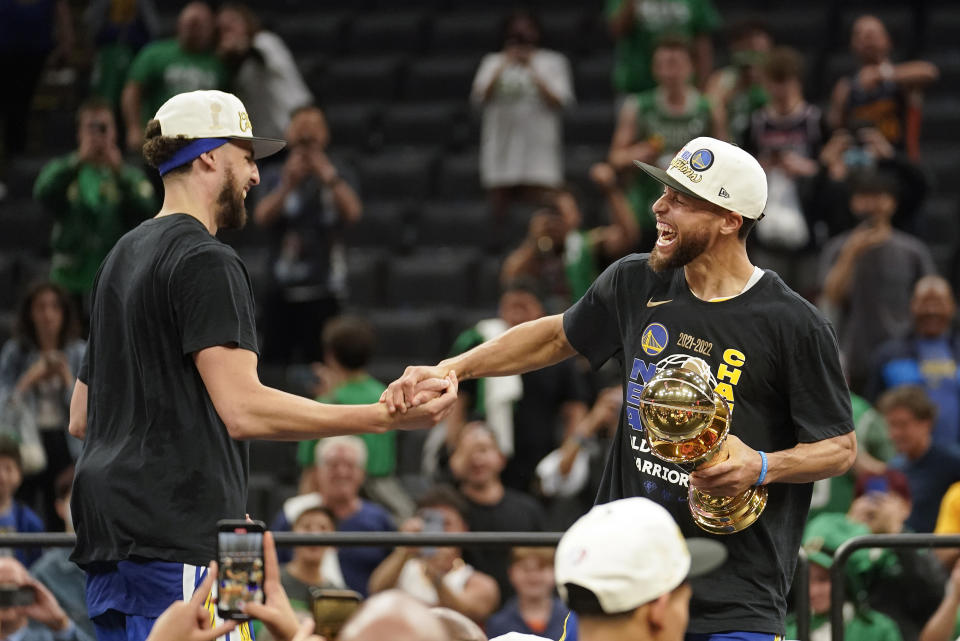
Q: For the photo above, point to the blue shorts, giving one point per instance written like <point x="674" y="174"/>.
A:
<point x="124" y="603"/>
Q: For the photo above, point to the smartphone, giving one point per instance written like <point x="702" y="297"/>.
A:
<point x="240" y="563"/>
<point x="14" y="596"/>
<point x="332" y="608"/>
<point x="433" y="521"/>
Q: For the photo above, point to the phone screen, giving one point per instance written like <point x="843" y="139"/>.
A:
<point x="240" y="561"/>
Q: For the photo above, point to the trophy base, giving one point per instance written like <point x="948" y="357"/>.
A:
<point x="727" y="514"/>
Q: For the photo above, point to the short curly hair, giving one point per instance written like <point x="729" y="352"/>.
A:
<point x="158" y="149"/>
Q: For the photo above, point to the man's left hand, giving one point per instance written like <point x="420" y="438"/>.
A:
<point x="45" y="609"/>
<point x="731" y="477"/>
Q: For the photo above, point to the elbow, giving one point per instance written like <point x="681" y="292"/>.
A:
<point x="77" y="429"/>
<point x="848" y="454"/>
<point x="240" y="424"/>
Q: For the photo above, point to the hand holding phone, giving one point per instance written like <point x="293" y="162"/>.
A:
<point x="331" y="609"/>
<point x="241" y="567"/>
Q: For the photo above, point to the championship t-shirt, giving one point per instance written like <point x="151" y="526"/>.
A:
<point x="158" y="468"/>
<point x="776" y="363"/>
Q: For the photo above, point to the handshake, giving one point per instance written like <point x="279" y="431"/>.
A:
<point x="423" y="392"/>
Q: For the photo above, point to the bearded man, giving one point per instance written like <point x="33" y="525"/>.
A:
<point x="168" y="390"/>
<point x="774" y="357"/>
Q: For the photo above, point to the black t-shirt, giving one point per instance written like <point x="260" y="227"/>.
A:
<point x="775" y="358"/>
<point x="158" y="468"/>
<point x="515" y="512"/>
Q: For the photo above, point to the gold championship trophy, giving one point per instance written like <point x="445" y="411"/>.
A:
<point x="687" y="422"/>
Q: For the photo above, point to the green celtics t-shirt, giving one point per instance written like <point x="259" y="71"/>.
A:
<point x="655" y="19"/>
<point x="381" y="448"/>
<point x="673" y="130"/>
<point x="163" y="70"/>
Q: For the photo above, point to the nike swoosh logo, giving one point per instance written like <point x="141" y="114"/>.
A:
<point x="653" y="303"/>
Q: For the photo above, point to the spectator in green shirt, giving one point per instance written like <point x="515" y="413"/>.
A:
<point x="348" y="344"/>
<point x="166" y="68"/>
<point x="821" y="538"/>
<point x="637" y="25"/>
<point x="93" y="196"/>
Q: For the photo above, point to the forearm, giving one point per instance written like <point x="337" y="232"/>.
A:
<point x="546" y="93"/>
<point x="473" y="608"/>
<point x="703" y="48"/>
<point x="269" y="208"/>
<point x="130" y="104"/>
<point x="916" y="73"/>
<point x="808" y="462"/>
<point x="78" y="410"/>
<point x="51" y="185"/>
<point x="623" y="157"/>
<point x="836" y="286"/>
<point x="940" y="626"/>
<point x="386" y="575"/>
<point x="267" y="413"/>
<point x="523" y="348"/>
<point x="346" y="201"/>
<point x="623" y="220"/>
<point x="624" y="20"/>
<point x="519" y="262"/>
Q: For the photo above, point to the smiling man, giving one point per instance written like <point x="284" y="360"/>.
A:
<point x="168" y="389"/>
<point x="773" y="354"/>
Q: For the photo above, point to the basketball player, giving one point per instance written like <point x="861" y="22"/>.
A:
<point x="168" y="389"/>
<point x="774" y="356"/>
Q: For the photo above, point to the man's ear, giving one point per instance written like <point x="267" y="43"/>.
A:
<point x="732" y="221"/>
<point x="208" y="160"/>
<point x="655" y="612"/>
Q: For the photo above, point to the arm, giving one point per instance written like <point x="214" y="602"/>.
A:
<point x="915" y="74"/>
<point x="838" y="102"/>
<point x="491" y="67"/>
<point x="941" y="624"/>
<point x="623" y="233"/>
<point x="624" y="148"/>
<point x="387" y="574"/>
<point x="804" y="463"/>
<point x="623" y="20"/>
<point x="51" y="185"/>
<point x="523" y="348"/>
<point x="78" y="410"/>
<point x="251" y="410"/>
<point x="836" y="285"/>
<point x="130" y="101"/>
<point x="703" y="58"/>
<point x="270" y="206"/>
<point x="478" y="600"/>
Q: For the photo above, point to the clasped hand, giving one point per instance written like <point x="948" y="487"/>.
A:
<point x="736" y="474"/>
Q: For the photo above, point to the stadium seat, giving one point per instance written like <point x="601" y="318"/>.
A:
<point x="467" y="32"/>
<point x="488" y="282"/>
<point x="383" y="224"/>
<point x="25" y="224"/>
<point x="364" y="277"/>
<point x="314" y="32"/>
<point x="409" y="335"/>
<point x="562" y="29"/>
<point x="432" y="278"/>
<point x="361" y="79"/>
<point x="941" y="119"/>
<point x="418" y="124"/>
<point x="459" y="177"/>
<point x="943" y="25"/>
<point x="445" y="78"/>
<point x="455" y="224"/>
<point x="352" y="125"/>
<point x="390" y="31"/>
<point x="941" y="160"/>
<point x="588" y="123"/>
<point x="21" y="173"/>
<point x="406" y="174"/>
<point x="592" y="80"/>
<point x="938" y="221"/>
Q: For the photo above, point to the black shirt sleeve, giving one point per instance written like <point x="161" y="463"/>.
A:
<point x="591" y="324"/>
<point x="213" y="300"/>
<point x="819" y="399"/>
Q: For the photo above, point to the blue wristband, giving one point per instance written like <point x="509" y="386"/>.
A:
<point x="763" y="468"/>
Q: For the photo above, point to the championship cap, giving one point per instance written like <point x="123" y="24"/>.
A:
<point x="718" y="172"/>
<point x="213" y="118"/>
<point x="629" y="552"/>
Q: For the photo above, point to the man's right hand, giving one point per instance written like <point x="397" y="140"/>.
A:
<point x="134" y="138"/>
<point x="402" y="394"/>
<point x="425" y="406"/>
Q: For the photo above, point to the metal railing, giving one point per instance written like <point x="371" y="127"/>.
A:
<point x="438" y="539"/>
<point x="867" y="541"/>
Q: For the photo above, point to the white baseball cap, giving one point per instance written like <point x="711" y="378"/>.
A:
<point x="212" y="114"/>
<point x="629" y="552"/>
<point x="717" y="172"/>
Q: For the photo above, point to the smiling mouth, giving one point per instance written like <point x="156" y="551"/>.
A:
<point x="667" y="235"/>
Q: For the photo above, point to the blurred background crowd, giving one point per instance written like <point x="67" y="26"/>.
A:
<point x="457" y="167"/>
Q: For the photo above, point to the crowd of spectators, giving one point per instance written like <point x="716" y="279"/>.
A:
<point x="847" y="187"/>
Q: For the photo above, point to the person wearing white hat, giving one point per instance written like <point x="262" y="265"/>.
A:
<point x="624" y="568"/>
<point x="774" y="357"/>
<point x="168" y="389"/>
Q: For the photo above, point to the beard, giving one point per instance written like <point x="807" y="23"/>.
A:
<point x="687" y="250"/>
<point x="231" y="210"/>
